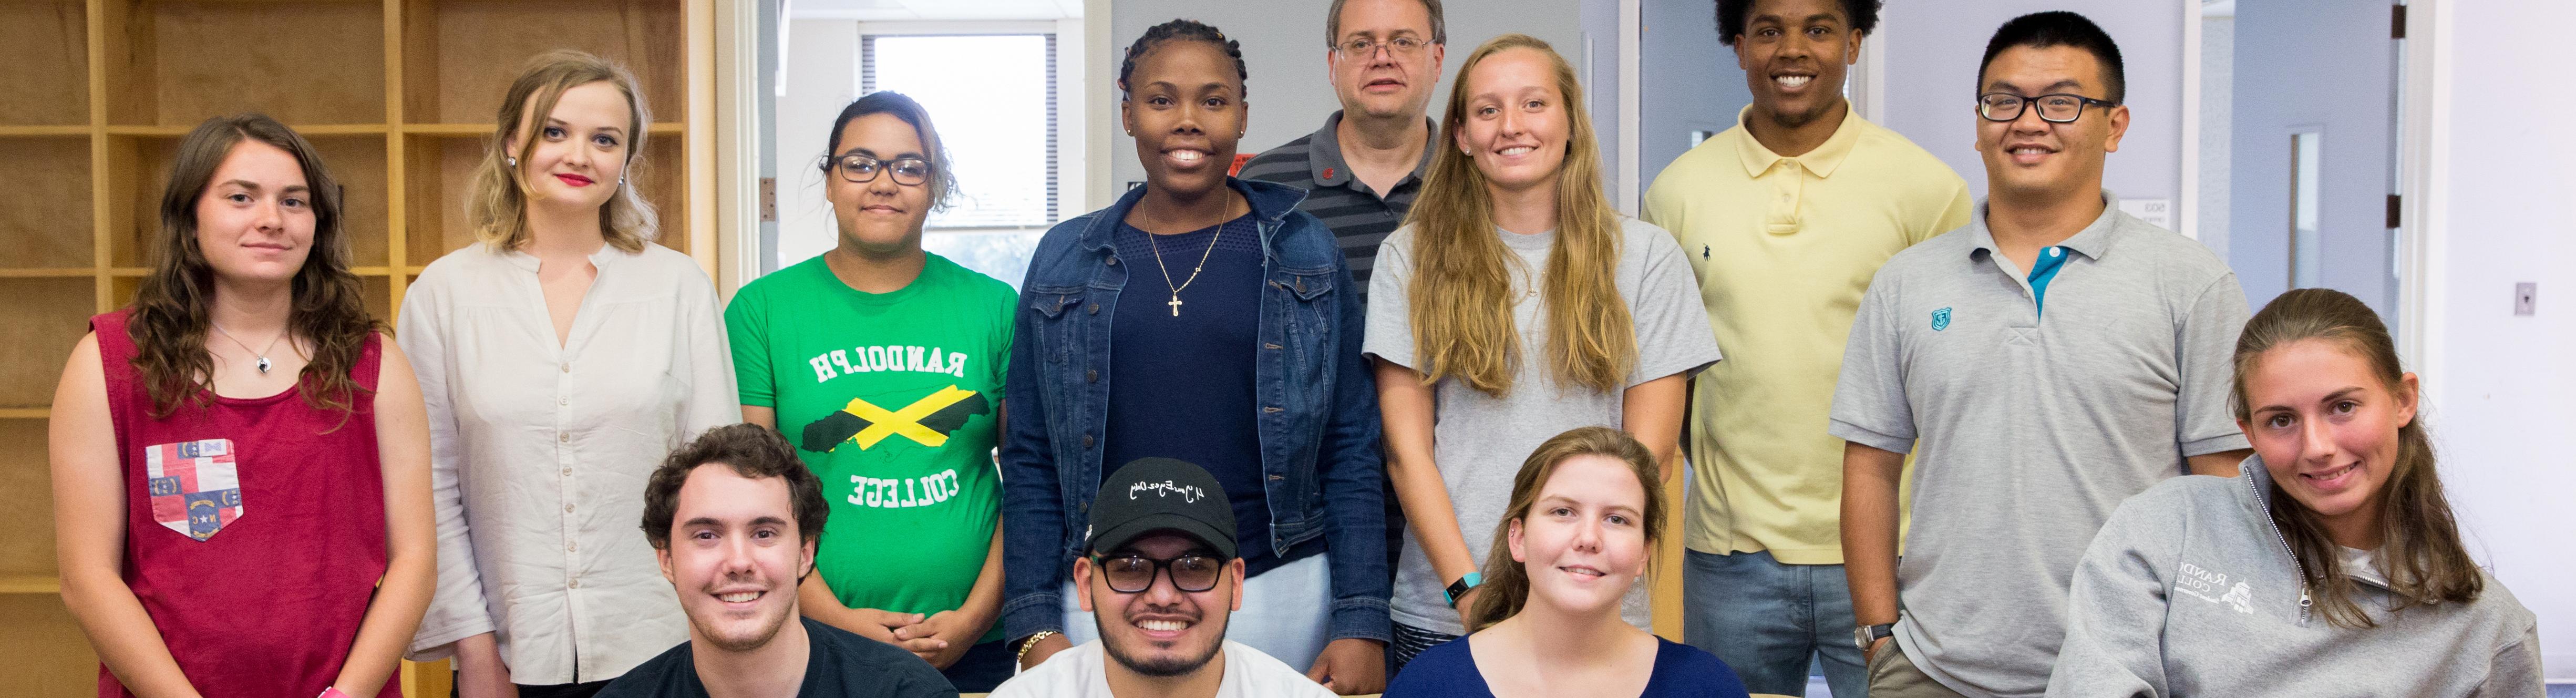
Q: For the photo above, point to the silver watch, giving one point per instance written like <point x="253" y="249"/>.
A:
<point x="1863" y="636"/>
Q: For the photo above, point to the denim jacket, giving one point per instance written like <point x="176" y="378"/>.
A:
<point x="1319" y="419"/>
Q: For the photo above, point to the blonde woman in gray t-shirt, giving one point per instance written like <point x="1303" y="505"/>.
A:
<point x="1534" y="308"/>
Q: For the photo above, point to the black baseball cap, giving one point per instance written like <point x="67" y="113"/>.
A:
<point x="1161" y="494"/>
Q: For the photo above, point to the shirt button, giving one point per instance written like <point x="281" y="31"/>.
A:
<point x="1086" y="441"/>
<point x="1095" y="309"/>
<point x="567" y="508"/>
<point x="567" y="472"/>
<point x="1113" y="261"/>
<point x="572" y="547"/>
<point x="562" y="401"/>
<point x="567" y="368"/>
<point x="565" y="437"/>
<point x="576" y="584"/>
<point x="1091" y="375"/>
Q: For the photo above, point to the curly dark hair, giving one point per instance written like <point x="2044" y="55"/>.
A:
<point x="170" y="309"/>
<point x="753" y="451"/>
<point x="1180" y="30"/>
<point x="1731" y="15"/>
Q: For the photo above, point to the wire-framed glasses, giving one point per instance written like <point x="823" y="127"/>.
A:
<point x="2055" y="108"/>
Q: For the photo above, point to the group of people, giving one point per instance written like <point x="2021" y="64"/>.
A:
<point x="1410" y="434"/>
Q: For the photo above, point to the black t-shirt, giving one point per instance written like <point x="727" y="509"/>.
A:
<point x="843" y="665"/>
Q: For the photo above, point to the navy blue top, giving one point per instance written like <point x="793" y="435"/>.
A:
<point x="1182" y="384"/>
<point x="1681" y="671"/>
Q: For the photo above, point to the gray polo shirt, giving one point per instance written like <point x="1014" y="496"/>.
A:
<point x="1360" y="218"/>
<point x="2026" y="434"/>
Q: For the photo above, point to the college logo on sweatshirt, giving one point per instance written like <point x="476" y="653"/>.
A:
<point x="2212" y="586"/>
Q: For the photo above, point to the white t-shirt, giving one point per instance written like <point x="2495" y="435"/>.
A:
<point x="1083" y="672"/>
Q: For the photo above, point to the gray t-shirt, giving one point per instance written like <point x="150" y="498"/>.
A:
<point x="2027" y="433"/>
<point x="1479" y="440"/>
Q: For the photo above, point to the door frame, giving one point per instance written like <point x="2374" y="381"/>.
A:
<point x="2423" y="106"/>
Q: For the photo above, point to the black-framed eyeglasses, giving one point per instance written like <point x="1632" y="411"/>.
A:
<point x="1364" y="49"/>
<point x="861" y="169"/>
<point x="2055" y="108"/>
<point x="1133" y="574"/>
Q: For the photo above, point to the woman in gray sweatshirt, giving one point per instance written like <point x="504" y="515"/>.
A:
<point x="2330" y="567"/>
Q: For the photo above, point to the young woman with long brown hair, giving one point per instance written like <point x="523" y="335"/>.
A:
<point x="561" y="356"/>
<point x="1585" y="512"/>
<point x="1519" y="303"/>
<point x="2332" y="561"/>
<point x="240" y="461"/>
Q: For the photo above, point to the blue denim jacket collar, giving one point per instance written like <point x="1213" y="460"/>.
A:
<point x="1271" y="205"/>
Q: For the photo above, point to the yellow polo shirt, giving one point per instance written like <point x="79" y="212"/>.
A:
<point x="1783" y="248"/>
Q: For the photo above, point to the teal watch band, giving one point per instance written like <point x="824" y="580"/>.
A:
<point x="1459" y="588"/>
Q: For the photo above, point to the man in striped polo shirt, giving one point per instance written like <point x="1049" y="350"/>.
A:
<point x="1361" y="170"/>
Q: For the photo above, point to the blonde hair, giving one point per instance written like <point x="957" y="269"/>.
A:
<point x="1506" y="582"/>
<point x="1460" y="303"/>
<point x="498" y="205"/>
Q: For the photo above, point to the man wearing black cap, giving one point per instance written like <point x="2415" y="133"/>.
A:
<point x="1159" y="576"/>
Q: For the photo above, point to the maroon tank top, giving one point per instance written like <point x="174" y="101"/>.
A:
<point x="254" y="529"/>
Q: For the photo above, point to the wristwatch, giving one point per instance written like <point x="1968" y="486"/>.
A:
<point x="1459" y="588"/>
<point x="1866" y="635"/>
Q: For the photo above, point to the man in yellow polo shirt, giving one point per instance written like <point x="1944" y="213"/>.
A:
<point x="1785" y="218"/>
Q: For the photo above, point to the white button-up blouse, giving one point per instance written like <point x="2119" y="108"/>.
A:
<point x="539" y="451"/>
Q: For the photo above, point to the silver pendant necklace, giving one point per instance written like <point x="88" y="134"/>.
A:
<point x="262" y="354"/>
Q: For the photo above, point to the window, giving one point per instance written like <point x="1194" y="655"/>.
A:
<point x="998" y="124"/>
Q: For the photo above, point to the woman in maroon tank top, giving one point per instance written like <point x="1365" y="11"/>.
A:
<point x="240" y="457"/>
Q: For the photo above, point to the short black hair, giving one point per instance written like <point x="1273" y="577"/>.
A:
<point x="911" y="112"/>
<point x="1732" y="14"/>
<point x="2059" y="28"/>
<point x="753" y="451"/>
<point x="1181" y="30"/>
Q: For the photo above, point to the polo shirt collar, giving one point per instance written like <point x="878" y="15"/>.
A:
<point x="2093" y="241"/>
<point x="1324" y="154"/>
<point x="1822" y="161"/>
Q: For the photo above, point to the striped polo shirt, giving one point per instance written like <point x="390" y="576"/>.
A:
<point x="1360" y="218"/>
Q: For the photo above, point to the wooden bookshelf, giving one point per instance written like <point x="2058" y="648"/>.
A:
<point x="398" y="95"/>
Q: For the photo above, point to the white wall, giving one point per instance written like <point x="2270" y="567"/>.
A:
<point x="1283" y="50"/>
<point x="1931" y="82"/>
<point x="2505" y="211"/>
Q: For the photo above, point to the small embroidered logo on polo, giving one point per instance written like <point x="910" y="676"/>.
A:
<point x="2207" y="585"/>
<point x="1941" y="319"/>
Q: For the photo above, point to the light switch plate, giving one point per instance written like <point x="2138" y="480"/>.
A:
<point x="2525" y="296"/>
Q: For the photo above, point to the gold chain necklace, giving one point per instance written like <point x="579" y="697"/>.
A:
<point x="1175" y="302"/>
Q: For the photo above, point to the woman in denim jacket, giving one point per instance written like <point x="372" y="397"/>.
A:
<point x="1231" y="325"/>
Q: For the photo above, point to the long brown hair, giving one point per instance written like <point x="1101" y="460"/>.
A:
<point x="497" y="206"/>
<point x="170" y="318"/>
<point x="1461" y="304"/>
<point x="2422" y="555"/>
<point x="1506" y="583"/>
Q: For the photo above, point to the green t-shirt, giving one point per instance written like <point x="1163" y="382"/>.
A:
<point x="894" y="400"/>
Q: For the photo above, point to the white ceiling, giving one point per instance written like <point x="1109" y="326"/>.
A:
<point x="934" y="10"/>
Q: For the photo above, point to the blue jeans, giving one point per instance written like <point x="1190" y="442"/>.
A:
<point x="1766" y="620"/>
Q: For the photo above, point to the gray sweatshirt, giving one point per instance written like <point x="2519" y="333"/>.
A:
<point x="2190" y="590"/>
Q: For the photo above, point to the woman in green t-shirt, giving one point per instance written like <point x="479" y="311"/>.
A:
<point x="883" y="364"/>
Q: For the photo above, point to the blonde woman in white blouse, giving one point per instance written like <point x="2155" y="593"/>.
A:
<point x="560" y="358"/>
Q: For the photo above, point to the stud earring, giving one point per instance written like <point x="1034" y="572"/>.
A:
<point x="514" y="162"/>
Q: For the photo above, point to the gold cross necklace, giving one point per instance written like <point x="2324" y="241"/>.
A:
<point x="1175" y="302"/>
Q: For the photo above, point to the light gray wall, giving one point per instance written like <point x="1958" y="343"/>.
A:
<point x="1283" y="49"/>
<point x="1690" y="82"/>
<point x="822" y="77"/>
<point x="2217" y="107"/>
<point x="2506" y="212"/>
<point x="1931" y="82"/>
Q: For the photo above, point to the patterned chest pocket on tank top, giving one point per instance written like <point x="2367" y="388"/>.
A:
<point x="195" y="486"/>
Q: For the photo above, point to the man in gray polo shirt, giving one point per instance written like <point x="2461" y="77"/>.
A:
<point x="1361" y="170"/>
<point x="2042" y="364"/>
